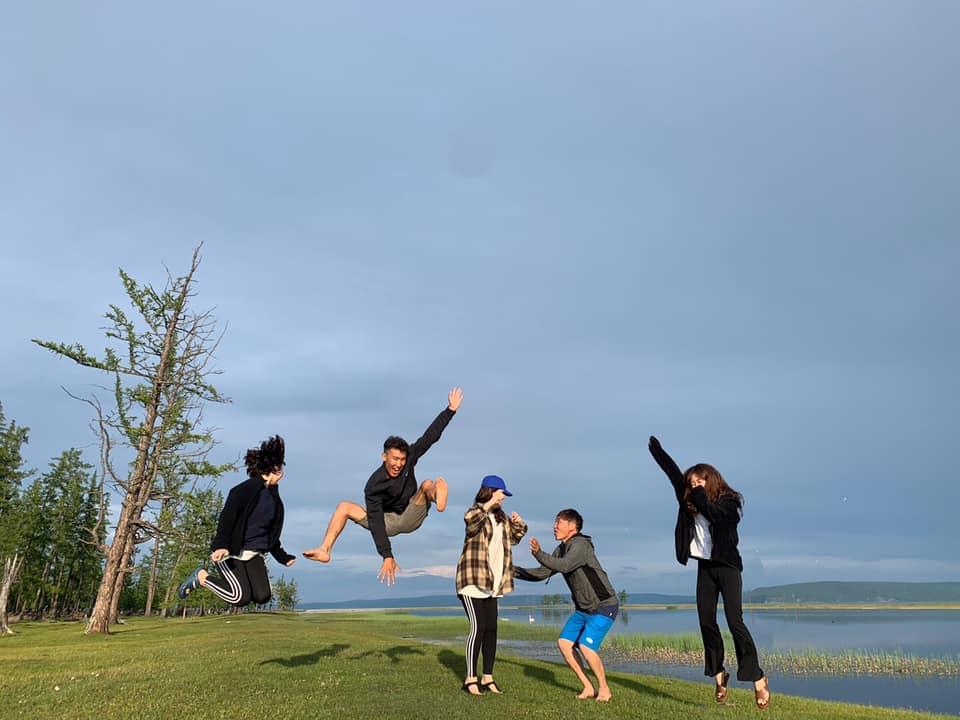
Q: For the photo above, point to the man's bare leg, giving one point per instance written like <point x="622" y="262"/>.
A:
<point x="345" y="511"/>
<point x="596" y="664"/>
<point x="566" y="649"/>
<point x="434" y="491"/>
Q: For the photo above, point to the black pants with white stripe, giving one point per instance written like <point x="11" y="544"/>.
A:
<point x="240" y="581"/>
<point x="482" y="613"/>
<point x="715" y="579"/>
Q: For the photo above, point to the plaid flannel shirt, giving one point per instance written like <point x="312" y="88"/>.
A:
<point x="474" y="565"/>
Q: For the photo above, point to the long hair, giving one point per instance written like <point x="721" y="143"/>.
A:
<point x="716" y="486"/>
<point x="265" y="459"/>
<point x="483" y="495"/>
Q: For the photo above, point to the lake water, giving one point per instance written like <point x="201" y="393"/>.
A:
<point x="923" y="633"/>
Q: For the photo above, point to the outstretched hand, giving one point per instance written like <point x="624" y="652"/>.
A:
<point x="454" y="398"/>
<point x="534" y="546"/>
<point x="388" y="571"/>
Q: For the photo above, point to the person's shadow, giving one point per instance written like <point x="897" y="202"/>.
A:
<point x="310" y="659"/>
<point x="394" y="653"/>
<point x="456" y="663"/>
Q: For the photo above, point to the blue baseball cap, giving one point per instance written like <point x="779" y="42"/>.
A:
<point x="496" y="482"/>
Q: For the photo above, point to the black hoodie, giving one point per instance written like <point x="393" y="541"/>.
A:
<point x="232" y="527"/>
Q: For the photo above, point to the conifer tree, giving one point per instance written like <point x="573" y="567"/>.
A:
<point x="160" y="375"/>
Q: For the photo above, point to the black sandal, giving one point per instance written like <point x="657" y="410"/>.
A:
<point x="466" y="688"/>
<point x="491" y="687"/>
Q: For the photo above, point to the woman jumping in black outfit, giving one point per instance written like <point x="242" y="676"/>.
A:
<point x="707" y="530"/>
<point x="249" y="528"/>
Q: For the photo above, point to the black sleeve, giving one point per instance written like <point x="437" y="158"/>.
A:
<point x="532" y="574"/>
<point x="279" y="554"/>
<point x="373" y="494"/>
<point x="430" y="435"/>
<point x="666" y="463"/>
<point x="726" y="511"/>
<point x="229" y="517"/>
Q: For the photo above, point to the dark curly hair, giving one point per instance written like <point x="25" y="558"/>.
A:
<point x="265" y="459"/>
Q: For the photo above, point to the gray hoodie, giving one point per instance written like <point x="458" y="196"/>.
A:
<point x="577" y="561"/>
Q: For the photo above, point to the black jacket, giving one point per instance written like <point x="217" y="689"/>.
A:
<point x="723" y="515"/>
<point x="232" y="527"/>
<point x="386" y="494"/>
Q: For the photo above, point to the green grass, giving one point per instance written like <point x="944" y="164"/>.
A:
<point x="343" y="665"/>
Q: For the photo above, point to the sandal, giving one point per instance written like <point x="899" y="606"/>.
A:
<point x="191" y="583"/>
<point x="466" y="688"/>
<point x="763" y="694"/>
<point x="721" y="688"/>
<point x="491" y="687"/>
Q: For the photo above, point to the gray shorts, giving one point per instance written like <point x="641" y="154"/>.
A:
<point x="406" y="522"/>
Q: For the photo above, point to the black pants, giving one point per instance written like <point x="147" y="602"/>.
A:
<point x="715" y="579"/>
<point x="482" y="613"/>
<point x="240" y="581"/>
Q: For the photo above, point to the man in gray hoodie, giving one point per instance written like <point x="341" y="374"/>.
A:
<point x="593" y="596"/>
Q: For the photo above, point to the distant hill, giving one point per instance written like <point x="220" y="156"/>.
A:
<point x="450" y="600"/>
<point x="857" y="592"/>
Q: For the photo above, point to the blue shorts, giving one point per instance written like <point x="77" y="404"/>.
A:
<point x="587" y="629"/>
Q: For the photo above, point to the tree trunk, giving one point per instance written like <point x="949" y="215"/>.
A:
<point x="121" y="580"/>
<point x="103" y="610"/>
<point x="11" y="568"/>
<point x="152" y="580"/>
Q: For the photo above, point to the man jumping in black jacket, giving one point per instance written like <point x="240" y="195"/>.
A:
<point x="394" y="503"/>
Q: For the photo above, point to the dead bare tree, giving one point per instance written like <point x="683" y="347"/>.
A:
<point x="11" y="569"/>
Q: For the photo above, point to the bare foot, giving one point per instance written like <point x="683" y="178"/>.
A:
<point x="604" y="695"/>
<point x="318" y="553"/>
<point x="441" y="489"/>
<point x="588" y="693"/>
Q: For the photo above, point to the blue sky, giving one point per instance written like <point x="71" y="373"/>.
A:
<point x="733" y="226"/>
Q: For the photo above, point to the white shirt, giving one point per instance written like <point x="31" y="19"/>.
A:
<point x="701" y="545"/>
<point x="495" y="559"/>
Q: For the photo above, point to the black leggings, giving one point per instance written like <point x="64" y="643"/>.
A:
<point x="482" y="613"/>
<point x="240" y="581"/>
<point x="715" y="579"/>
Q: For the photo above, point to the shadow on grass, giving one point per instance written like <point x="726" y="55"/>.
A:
<point x="394" y="653"/>
<point x="310" y="659"/>
<point x="647" y="691"/>
<point x="457" y="665"/>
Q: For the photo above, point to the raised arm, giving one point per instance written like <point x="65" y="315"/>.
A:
<point x="433" y="433"/>
<point x="669" y="467"/>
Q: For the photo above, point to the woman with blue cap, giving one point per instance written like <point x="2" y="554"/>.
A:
<point x="484" y="574"/>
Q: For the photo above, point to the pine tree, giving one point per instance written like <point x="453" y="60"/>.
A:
<point x="160" y="380"/>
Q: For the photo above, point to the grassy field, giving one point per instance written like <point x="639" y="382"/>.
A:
<point x="349" y="665"/>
